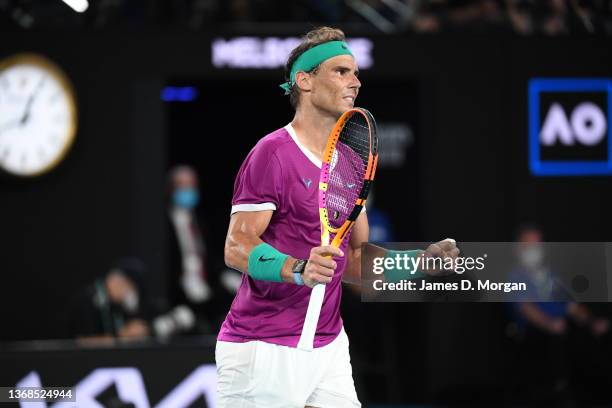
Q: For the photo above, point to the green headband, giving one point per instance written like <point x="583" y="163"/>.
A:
<point x="313" y="57"/>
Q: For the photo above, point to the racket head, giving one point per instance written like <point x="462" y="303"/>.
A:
<point x="347" y="172"/>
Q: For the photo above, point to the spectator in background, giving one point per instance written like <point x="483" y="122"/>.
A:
<point x="560" y="17"/>
<point x="519" y="13"/>
<point x="461" y="15"/>
<point x="555" y="18"/>
<point x="114" y="306"/>
<point x="187" y="248"/>
<point x="547" y="316"/>
<point x="191" y="284"/>
<point x="543" y="325"/>
<point x="548" y="17"/>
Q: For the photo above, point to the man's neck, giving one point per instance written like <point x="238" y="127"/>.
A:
<point x="312" y="128"/>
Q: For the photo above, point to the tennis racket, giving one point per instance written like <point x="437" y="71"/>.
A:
<point x="347" y="172"/>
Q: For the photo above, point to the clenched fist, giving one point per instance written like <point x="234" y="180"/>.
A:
<point x="320" y="267"/>
<point x="446" y="249"/>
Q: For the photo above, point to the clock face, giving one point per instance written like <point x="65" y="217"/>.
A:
<point x="37" y="115"/>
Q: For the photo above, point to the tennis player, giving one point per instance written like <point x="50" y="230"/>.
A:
<point x="274" y="239"/>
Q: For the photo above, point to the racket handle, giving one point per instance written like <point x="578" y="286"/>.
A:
<point x="313" y="312"/>
<point x="311" y="321"/>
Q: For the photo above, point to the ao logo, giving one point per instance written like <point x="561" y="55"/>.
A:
<point x="569" y="127"/>
<point x="131" y="389"/>
<point x="586" y="125"/>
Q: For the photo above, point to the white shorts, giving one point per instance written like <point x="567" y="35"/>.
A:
<point x="264" y="375"/>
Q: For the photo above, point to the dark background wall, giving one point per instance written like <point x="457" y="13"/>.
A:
<point x="467" y="177"/>
<point x="106" y="199"/>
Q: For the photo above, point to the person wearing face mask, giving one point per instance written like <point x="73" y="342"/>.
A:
<point x="546" y="347"/>
<point x="547" y="316"/>
<point x="187" y="260"/>
<point x="114" y="305"/>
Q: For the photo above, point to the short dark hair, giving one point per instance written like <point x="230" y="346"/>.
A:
<point x="313" y="38"/>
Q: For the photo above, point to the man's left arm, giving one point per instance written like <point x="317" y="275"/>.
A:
<point x="360" y="233"/>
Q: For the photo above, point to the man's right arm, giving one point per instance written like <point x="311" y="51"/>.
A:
<point x="244" y="232"/>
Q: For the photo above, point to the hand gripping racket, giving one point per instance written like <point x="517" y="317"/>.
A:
<point x="347" y="172"/>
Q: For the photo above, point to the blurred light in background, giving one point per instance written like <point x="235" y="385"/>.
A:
<point x="77" y="5"/>
<point x="272" y="52"/>
<point x="179" y="94"/>
<point x="394" y="139"/>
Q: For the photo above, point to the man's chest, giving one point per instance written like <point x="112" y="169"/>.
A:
<point x="302" y="192"/>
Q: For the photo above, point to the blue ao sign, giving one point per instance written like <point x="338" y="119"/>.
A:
<point x="569" y="127"/>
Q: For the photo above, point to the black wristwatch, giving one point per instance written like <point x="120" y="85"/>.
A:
<point x="298" y="269"/>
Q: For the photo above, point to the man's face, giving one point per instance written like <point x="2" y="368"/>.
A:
<point x="530" y="250"/>
<point x="185" y="179"/>
<point x="335" y="85"/>
<point x="531" y="236"/>
<point x="118" y="286"/>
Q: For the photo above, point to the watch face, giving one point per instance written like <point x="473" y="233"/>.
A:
<point x="299" y="265"/>
<point x="37" y="115"/>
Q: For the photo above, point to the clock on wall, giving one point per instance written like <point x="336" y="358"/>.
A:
<point x="38" y="115"/>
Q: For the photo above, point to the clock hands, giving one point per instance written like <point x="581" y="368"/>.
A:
<point x="26" y="113"/>
<point x="37" y="115"/>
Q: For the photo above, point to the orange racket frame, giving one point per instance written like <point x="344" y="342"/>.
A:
<point x="328" y="155"/>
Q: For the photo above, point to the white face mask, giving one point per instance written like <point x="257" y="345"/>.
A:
<point x="532" y="257"/>
<point x="130" y="301"/>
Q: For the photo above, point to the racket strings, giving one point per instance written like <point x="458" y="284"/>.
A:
<point x="347" y="171"/>
<point x="357" y="137"/>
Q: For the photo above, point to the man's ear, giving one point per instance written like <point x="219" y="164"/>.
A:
<point x="303" y="81"/>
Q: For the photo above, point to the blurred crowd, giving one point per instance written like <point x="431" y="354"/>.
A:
<point x="118" y="304"/>
<point x="547" y="17"/>
<point x="525" y="17"/>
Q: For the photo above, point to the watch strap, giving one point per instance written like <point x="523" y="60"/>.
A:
<point x="297" y="278"/>
<point x="298" y="270"/>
